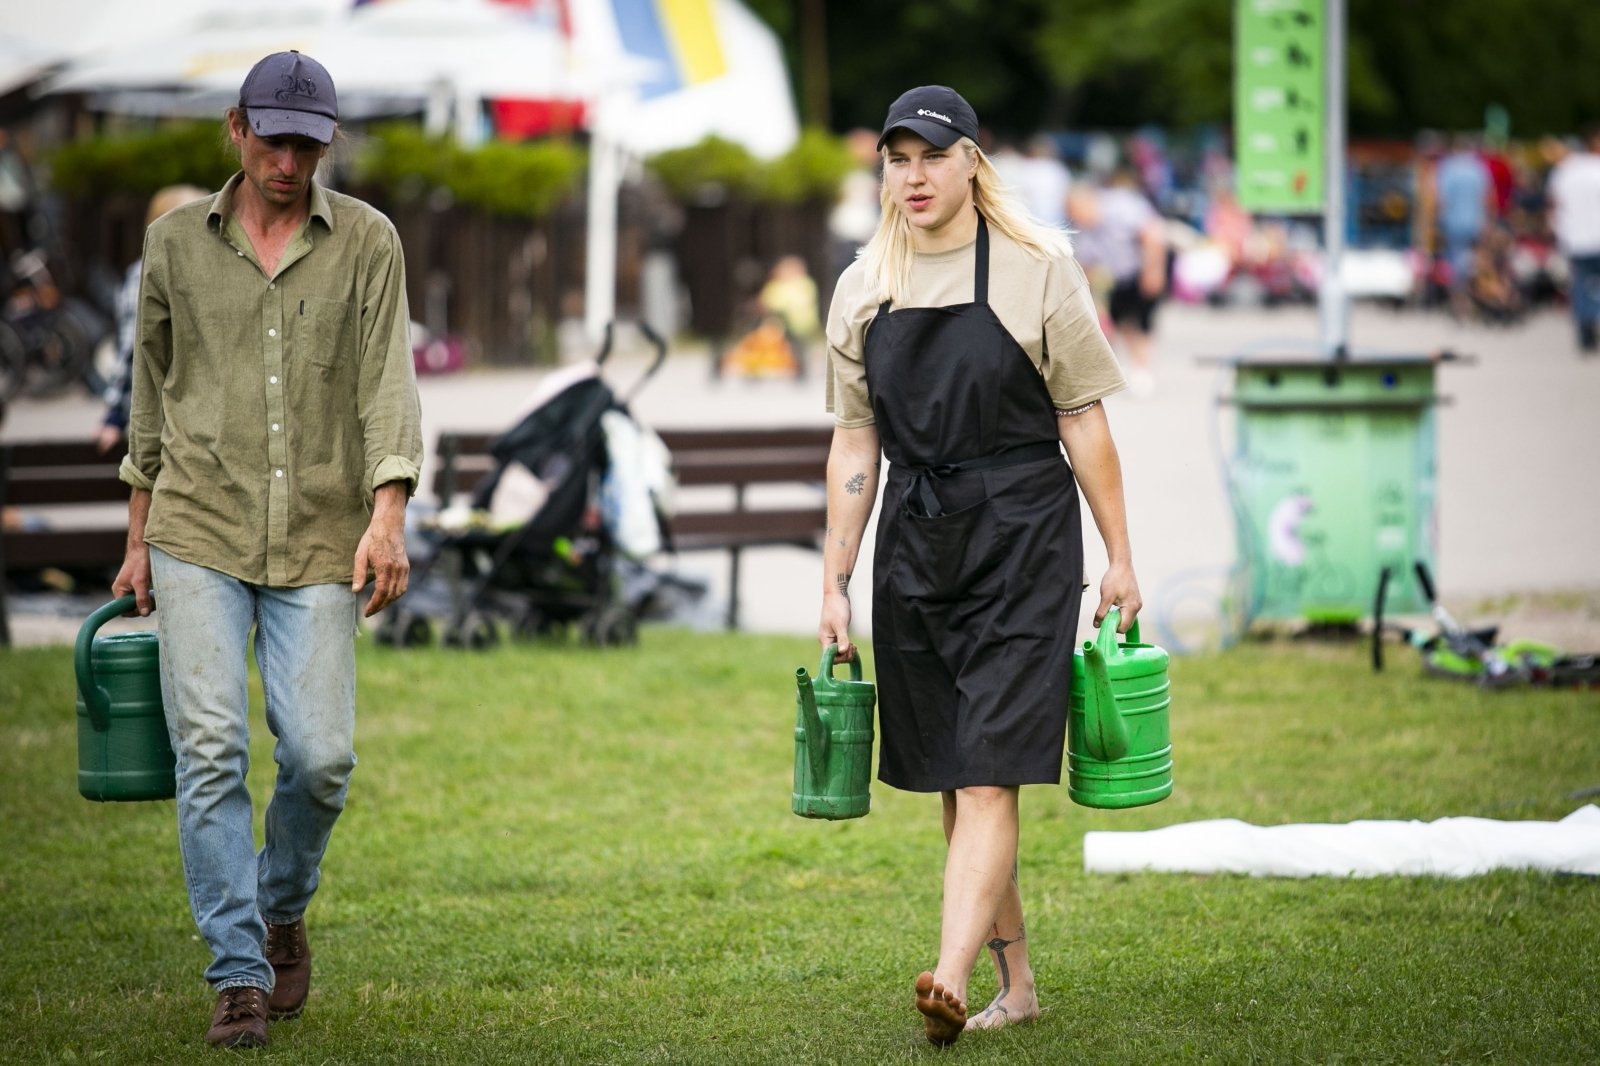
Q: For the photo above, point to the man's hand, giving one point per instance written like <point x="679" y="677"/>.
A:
<point x="134" y="576"/>
<point x="382" y="551"/>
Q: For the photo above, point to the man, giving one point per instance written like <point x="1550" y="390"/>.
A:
<point x="273" y="442"/>
<point x="1575" y="218"/>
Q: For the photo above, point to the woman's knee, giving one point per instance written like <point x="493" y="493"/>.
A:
<point x="986" y="796"/>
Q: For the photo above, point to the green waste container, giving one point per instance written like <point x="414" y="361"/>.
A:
<point x="1334" y="477"/>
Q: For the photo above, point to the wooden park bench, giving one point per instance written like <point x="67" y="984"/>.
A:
<point x="794" y="458"/>
<point x="59" y="475"/>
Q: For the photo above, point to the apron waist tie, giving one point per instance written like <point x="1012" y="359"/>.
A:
<point x="923" y="478"/>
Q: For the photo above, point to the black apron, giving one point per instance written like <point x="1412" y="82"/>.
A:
<point x="979" y="556"/>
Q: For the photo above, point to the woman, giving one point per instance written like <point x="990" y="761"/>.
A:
<point x="964" y="344"/>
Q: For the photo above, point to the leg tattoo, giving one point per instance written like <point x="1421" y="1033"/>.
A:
<point x="998" y="944"/>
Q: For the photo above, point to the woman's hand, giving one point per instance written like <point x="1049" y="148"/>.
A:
<point x="835" y="627"/>
<point x="1120" y="589"/>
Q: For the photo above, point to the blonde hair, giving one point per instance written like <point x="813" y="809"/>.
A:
<point x="888" y="256"/>
<point x="165" y="199"/>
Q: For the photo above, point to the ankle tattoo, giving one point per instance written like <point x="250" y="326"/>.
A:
<point x="998" y="945"/>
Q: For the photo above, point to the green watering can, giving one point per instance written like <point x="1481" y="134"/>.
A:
<point x="1119" y="750"/>
<point x="832" y="741"/>
<point x="123" y="750"/>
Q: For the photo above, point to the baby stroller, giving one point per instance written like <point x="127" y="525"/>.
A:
<point x="556" y="570"/>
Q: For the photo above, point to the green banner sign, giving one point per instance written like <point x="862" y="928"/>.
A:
<point x="1278" y="105"/>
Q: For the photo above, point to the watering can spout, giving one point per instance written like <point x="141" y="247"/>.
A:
<point x="816" y="729"/>
<point x="1105" y="733"/>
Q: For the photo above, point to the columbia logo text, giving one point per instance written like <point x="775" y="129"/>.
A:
<point x="933" y="114"/>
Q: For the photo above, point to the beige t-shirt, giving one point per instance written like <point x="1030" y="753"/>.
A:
<point x="1045" y="304"/>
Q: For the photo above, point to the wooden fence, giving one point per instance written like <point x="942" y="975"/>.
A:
<point x="503" y="284"/>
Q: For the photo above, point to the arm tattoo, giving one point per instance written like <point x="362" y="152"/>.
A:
<point x="855" y="484"/>
<point x="843" y="581"/>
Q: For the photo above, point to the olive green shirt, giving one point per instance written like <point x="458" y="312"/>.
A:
<point x="266" y="410"/>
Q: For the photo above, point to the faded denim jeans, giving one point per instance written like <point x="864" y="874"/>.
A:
<point x="305" y="650"/>
<point x="1585" y="289"/>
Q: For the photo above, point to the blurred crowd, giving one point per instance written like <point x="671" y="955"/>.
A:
<point x="1467" y="223"/>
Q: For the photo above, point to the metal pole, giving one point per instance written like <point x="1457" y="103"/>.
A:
<point x="1333" y="304"/>
<point x="605" y="179"/>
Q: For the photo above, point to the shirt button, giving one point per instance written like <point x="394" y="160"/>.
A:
<point x="274" y="427"/>
<point x="272" y="381"/>
<point x="241" y="255"/>
<point x="272" y="333"/>
<point x="272" y="284"/>
<point x="279" y="473"/>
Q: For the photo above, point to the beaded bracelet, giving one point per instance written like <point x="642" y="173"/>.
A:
<point x="1077" y="410"/>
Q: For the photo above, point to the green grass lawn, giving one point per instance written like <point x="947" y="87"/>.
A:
<point x="558" y="854"/>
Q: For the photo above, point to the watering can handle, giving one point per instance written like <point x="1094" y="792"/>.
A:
<point x="1108" y="632"/>
<point x="826" y="670"/>
<point x="96" y="699"/>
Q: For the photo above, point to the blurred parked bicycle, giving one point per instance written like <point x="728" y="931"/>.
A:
<point x="47" y="341"/>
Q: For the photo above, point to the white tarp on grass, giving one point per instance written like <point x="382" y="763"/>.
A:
<point x="1448" y="847"/>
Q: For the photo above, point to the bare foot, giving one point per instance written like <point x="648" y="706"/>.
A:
<point x="943" y="1013"/>
<point x="1008" y="1008"/>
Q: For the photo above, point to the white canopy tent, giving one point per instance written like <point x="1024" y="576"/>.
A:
<point x="447" y="54"/>
<point x="36" y="38"/>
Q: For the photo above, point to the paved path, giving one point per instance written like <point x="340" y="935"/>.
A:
<point x="1518" y="444"/>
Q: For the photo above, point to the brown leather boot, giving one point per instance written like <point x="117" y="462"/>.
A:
<point x="240" y="1018"/>
<point x="290" y="956"/>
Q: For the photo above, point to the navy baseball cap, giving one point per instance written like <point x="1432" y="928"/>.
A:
<point x="935" y="113"/>
<point x="290" y="95"/>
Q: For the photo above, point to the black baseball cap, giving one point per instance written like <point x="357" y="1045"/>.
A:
<point x="290" y="95"/>
<point x="935" y="113"/>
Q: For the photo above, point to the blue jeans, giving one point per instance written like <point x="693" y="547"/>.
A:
<point x="1585" y="289"/>
<point x="305" y="650"/>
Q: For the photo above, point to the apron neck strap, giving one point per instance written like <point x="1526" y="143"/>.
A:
<point x="980" y="270"/>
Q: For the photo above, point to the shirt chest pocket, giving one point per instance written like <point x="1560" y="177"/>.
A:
<point x="325" y="336"/>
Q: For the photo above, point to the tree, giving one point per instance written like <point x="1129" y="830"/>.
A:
<point x="1031" y="64"/>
